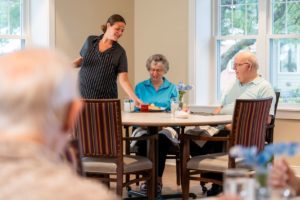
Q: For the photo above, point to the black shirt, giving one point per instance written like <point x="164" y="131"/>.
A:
<point x="99" y="70"/>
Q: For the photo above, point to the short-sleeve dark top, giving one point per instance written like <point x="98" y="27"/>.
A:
<point x="99" y="70"/>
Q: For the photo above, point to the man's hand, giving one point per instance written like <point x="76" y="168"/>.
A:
<point x="282" y="176"/>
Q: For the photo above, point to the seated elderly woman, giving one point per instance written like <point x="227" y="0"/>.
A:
<point x="159" y="91"/>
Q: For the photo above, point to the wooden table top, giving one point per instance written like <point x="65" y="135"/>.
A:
<point x="165" y="119"/>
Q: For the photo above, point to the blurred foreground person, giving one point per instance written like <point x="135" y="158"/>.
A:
<point x="282" y="176"/>
<point x="37" y="108"/>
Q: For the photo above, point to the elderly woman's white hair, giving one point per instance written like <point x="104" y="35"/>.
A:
<point x="157" y="58"/>
<point x="37" y="85"/>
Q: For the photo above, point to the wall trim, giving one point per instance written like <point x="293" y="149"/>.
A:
<point x="282" y="112"/>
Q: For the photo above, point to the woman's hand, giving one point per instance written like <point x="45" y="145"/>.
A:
<point x="77" y="62"/>
<point x="137" y="103"/>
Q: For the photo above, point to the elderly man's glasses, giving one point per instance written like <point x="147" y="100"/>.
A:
<point x="235" y="65"/>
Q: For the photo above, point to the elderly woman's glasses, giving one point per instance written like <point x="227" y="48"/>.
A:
<point x="156" y="70"/>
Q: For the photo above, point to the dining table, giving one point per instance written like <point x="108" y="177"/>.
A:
<point x="155" y="120"/>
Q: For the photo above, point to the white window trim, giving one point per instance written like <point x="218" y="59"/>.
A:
<point x="42" y="33"/>
<point x="24" y="24"/>
<point x="283" y="112"/>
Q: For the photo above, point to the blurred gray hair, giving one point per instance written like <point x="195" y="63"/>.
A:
<point x="158" y="58"/>
<point x="37" y="86"/>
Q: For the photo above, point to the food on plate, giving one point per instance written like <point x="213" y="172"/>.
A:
<point x="153" y="107"/>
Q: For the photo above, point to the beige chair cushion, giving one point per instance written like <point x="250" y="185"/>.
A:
<point x="217" y="162"/>
<point x="108" y="165"/>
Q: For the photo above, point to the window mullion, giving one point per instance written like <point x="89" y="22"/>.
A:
<point x="261" y="43"/>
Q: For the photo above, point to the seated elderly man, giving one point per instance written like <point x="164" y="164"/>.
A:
<point x="37" y="108"/>
<point x="249" y="85"/>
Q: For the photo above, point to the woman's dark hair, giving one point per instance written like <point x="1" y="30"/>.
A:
<point x="112" y="20"/>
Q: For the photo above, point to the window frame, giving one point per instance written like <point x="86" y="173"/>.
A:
<point x="24" y="37"/>
<point x="263" y="40"/>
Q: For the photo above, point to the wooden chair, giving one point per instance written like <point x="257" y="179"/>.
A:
<point x="270" y="127"/>
<point x="99" y="130"/>
<point x="248" y="129"/>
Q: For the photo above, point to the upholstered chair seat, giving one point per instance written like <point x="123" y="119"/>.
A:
<point x="109" y="165"/>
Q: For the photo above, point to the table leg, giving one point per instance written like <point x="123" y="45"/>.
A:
<point x="154" y="130"/>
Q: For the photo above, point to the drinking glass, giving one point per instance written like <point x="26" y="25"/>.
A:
<point x="128" y="105"/>
<point x="237" y="182"/>
<point x="174" y="106"/>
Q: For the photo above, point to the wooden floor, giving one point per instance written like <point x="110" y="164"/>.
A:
<point x="170" y="186"/>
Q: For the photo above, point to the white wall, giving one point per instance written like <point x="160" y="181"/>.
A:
<point x="161" y="27"/>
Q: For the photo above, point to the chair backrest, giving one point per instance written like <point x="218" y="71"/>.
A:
<point x="270" y="127"/>
<point x="275" y="109"/>
<point x="99" y="128"/>
<point x="249" y="122"/>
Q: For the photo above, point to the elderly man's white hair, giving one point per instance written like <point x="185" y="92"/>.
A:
<point x="36" y="87"/>
<point x="249" y="58"/>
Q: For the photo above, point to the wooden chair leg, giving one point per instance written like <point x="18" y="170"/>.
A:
<point x="119" y="185"/>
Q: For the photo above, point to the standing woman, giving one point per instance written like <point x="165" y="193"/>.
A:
<point x="103" y="60"/>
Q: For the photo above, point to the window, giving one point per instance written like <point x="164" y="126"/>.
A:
<point x="12" y="25"/>
<point x="237" y="30"/>
<point x="270" y="29"/>
<point x="285" y="49"/>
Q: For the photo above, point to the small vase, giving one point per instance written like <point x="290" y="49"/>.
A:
<point x="180" y="105"/>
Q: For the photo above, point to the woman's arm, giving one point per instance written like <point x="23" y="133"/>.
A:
<point x="125" y="84"/>
<point x="77" y="62"/>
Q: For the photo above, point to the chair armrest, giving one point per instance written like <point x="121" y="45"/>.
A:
<point x="152" y="144"/>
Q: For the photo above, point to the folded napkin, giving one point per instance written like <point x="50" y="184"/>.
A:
<point x="169" y="132"/>
<point x="181" y="114"/>
<point x="204" y="131"/>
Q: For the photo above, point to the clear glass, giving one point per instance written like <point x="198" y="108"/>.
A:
<point x="227" y="49"/>
<point x="128" y="105"/>
<point x="285" y="69"/>
<point x="237" y="182"/>
<point x="174" y="106"/>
